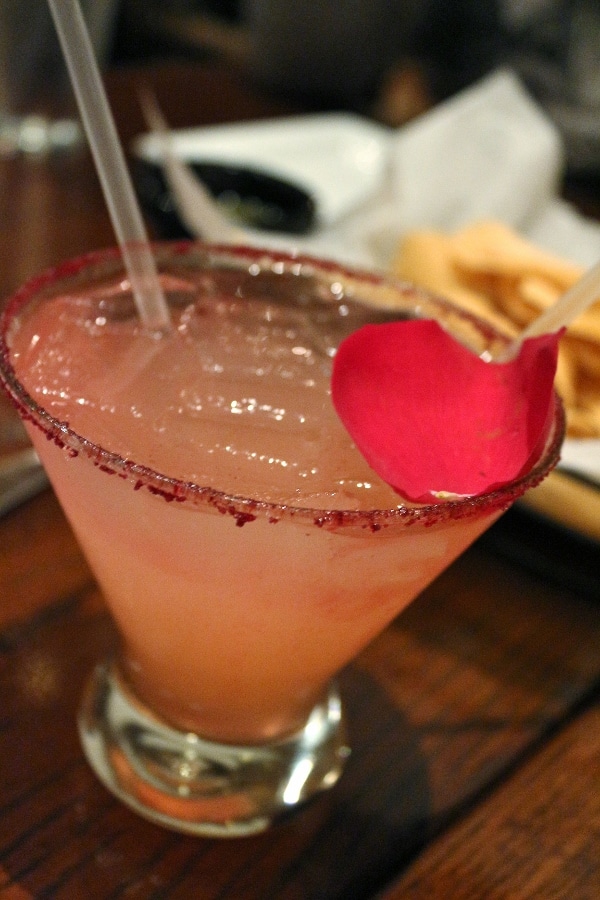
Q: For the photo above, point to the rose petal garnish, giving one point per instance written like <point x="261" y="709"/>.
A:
<point x="435" y="420"/>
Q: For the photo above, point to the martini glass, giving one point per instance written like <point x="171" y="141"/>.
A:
<point x="244" y="548"/>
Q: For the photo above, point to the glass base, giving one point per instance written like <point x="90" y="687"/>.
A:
<point x="184" y="782"/>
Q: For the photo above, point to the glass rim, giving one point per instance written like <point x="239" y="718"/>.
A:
<point x="243" y="508"/>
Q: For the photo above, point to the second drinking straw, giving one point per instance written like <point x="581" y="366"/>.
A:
<point x="569" y="305"/>
<point x="110" y="163"/>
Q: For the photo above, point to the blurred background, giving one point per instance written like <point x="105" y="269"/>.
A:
<point x="389" y="59"/>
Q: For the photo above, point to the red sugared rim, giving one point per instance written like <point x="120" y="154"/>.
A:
<point x="246" y="509"/>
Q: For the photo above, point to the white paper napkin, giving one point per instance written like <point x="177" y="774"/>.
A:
<point x="489" y="152"/>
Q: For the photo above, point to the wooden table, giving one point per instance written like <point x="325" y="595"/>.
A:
<point x="474" y="718"/>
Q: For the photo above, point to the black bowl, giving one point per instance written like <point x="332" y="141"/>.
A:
<point x="249" y="198"/>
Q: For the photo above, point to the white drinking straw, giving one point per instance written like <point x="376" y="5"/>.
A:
<point x="569" y="305"/>
<point x="110" y="163"/>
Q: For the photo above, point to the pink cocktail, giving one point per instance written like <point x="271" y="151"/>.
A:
<point x="246" y="550"/>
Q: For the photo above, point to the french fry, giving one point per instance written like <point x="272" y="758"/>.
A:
<point x="492" y="246"/>
<point x="566" y="377"/>
<point x="512" y="303"/>
<point x="539" y="292"/>
<point x="425" y="258"/>
<point x="587" y="353"/>
<point x="582" y="422"/>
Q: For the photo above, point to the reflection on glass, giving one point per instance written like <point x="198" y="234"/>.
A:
<point x="34" y="88"/>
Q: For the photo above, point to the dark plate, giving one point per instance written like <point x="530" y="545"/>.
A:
<point x="250" y="198"/>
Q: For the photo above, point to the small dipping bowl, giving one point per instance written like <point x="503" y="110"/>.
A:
<point x="250" y="198"/>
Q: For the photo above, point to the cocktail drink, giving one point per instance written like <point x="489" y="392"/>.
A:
<point x="246" y="550"/>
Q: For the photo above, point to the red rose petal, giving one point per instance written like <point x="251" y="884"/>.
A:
<point x="431" y="417"/>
